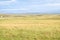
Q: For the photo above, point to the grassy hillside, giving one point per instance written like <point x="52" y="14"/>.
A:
<point x="30" y="27"/>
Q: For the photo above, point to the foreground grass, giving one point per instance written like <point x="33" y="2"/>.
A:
<point x="29" y="28"/>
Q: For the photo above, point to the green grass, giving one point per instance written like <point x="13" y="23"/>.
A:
<point x="30" y="28"/>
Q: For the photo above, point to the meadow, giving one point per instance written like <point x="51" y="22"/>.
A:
<point x="30" y="27"/>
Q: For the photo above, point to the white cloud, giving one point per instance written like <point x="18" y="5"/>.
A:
<point x="16" y="9"/>
<point x="6" y="2"/>
<point x="13" y="0"/>
<point x="47" y="4"/>
<point x="51" y="4"/>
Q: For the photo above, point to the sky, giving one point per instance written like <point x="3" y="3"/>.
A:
<point x="29" y="6"/>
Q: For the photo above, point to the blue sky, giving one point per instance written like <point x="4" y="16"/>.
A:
<point x="29" y="6"/>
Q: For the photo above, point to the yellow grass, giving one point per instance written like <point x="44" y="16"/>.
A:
<point x="30" y="28"/>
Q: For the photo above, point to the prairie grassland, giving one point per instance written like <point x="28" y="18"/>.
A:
<point x="30" y="28"/>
